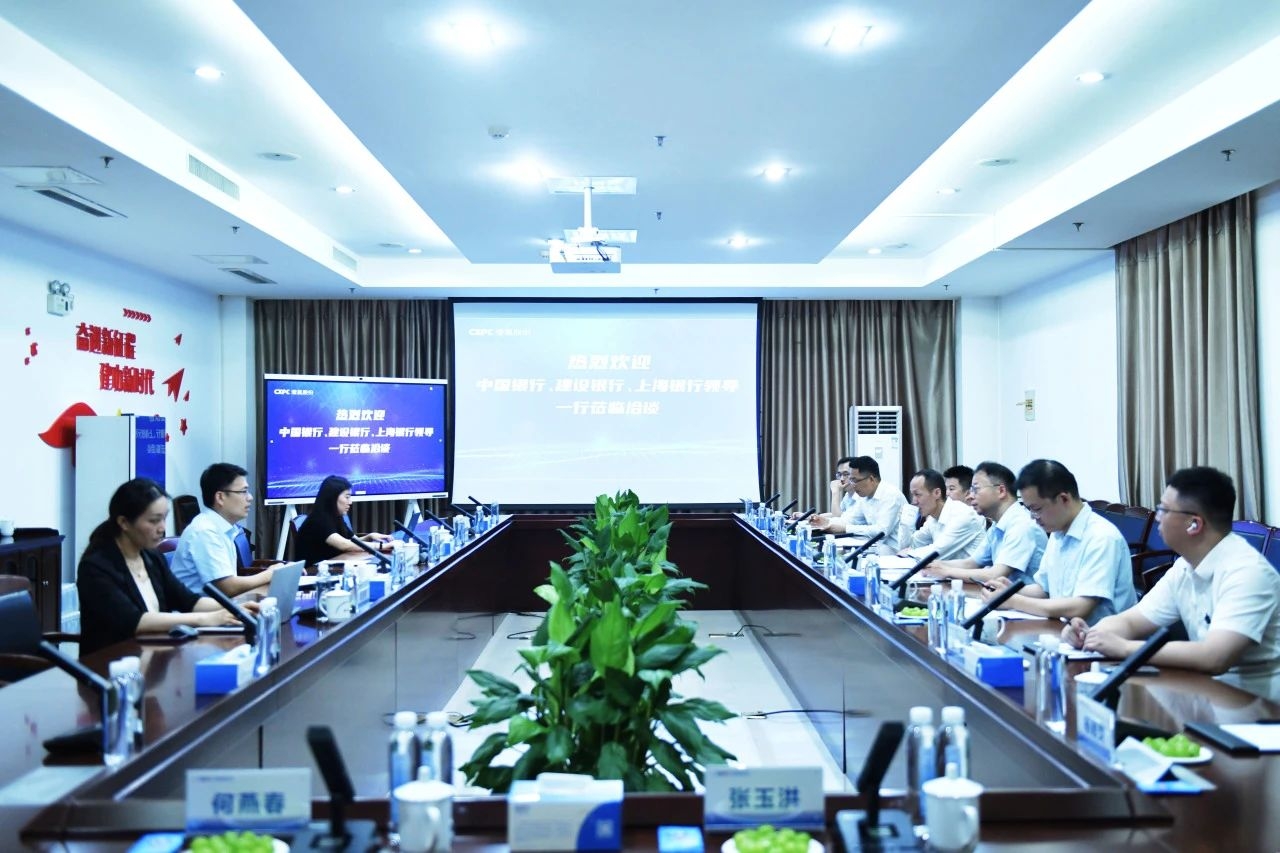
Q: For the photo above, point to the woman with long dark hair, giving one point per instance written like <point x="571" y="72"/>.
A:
<point x="325" y="534"/>
<point x="125" y="586"/>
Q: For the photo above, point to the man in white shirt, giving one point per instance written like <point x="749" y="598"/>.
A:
<point x="1085" y="571"/>
<point x="958" y="479"/>
<point x="876" y="510"/>
<point x="951" y="527"/>
<point x="841" y="488"/>
<point x="207" y="550"/>
<point x="1013" y="544"/>
<point x="1224" y="592"/>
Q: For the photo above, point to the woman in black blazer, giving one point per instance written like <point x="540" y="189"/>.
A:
<point x="126" y="588"/>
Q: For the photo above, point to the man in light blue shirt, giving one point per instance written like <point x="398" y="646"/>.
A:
<point x="1012" y="546"/>
<point x="207" y="550"/>
<point x="1085" y="571"/>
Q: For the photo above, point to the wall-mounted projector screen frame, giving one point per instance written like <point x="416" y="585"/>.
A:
<point x="555" y="401"/>
<point x="388" y="436"/>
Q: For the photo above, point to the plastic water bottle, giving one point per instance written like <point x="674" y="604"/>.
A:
<point x="952" y="743"/>
<point x="404" y="754"/>
<point x="921" y="760"/>
<point x="137" y="692"/>
<point x="938" y="620"/>
<point x="1051" y="709"/>
<point x="437" y="749"/>
<point x="829" y="561"/>
<point x="871" y="573"/>
<point x="117" y="721"/>
<point x="777" y="530"/>
<point x="266" y="648"/>
<point x="956" y="636"/>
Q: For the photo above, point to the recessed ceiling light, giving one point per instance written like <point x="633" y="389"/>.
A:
<point x="874" y="250"/>
<point x="775" y="172"/>
<point x="994" y="162"/>
<point x="470" y="35"/>
<point x="391" y="245"/>
<point x="948" y="190"/>
<point x="208" y="72"/>
<point x="344" y="189"/>
<point x="415" y="251"/>
<point x="738" y="241"/>
<point x="278" y="156"/>
<point x="1089" y="77"/>
<point x="528" y="172"/>
<point x="846" y="36"/>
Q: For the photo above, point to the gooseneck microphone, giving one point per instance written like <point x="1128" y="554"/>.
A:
<point x="791" y="525"/>
<point x="901" y="582"/>
<point x="1108" y="692"/>
<point x="383" y="559"/>
<point x="415" y="537"/>
<point x="250" y="624"/>
<point x="768" y="501"/>
<point x="874" y="828"/>
<point x="861" y="549"/>
<point x="463" y="511"/>
<point x="975" y="621"/>
<point x="786" y="509"/>
<point x="479" y="503"/>
<point x="438" y="520"/>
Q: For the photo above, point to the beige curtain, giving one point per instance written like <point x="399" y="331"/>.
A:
<point x="821" y="357"/>
<point x="1189" y="354"/>
<point x="412" y="339"/>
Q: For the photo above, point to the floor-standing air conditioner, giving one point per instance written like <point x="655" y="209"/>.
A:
<point x="876" y="431"/>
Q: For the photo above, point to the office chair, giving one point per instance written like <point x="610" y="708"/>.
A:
<point x="185" y="508"/>
<point x="20" y="634"/>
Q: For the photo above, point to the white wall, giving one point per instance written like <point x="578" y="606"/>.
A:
<point x="38" y="388"/>
<point x="1057" y="338"/>
<point x="1266" y="242"/>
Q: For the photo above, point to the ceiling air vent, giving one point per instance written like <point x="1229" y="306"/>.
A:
<point x="212" y="177"/>
<point x="79" y="202"/>
<point x="344" y="259"/>
<point x="249" y="275"/>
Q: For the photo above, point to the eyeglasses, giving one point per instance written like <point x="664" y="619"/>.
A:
<point x="241" y="492"/>
<point x="1166" y="510"/>
<point x="848" y="475"/>
<point x="974" y="487"/>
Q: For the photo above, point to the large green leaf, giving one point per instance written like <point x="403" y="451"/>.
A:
<point x="547" y="593"/>
<point x="491" y="684"/>
<point x="671" y="760"/>
<point x="559" y="745"/>
<point x="611" y="640"/>
<point x="533" y="762"/>
<point x="655" y="618"/>
<point x="560" y="623"/>
<point x="588" y="711"/>
<point x="499" y="709"/>
<point x="705" y="709"/>
<point x="696" y="657"/>
<point x="612" y="763"/>
<point x="655" y="678"/>
<point x="522" y="729"/>
<point x="660" y="656"/>
<point x="486" y="752"/>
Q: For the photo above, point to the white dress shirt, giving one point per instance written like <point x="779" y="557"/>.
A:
<point x="876" y="514"/>
<point x="206" y="552"/>
<point x="1235" y="589"/>
<point x="955" y="533"/>
<point x="1089" y="560"/>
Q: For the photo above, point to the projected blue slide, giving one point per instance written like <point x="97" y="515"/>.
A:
<point x="555" y="403"/>
<point x="387" y="436"/>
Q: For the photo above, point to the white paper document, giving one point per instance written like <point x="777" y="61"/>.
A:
<point x="1265" y="736"/>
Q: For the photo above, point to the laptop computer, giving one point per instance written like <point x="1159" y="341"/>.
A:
<point x="284" y="587"/>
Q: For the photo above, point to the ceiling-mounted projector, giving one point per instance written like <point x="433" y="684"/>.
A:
<point x="589" y="249"/>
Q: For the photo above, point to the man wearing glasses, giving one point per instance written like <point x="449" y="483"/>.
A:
<point x="207" y="550"/>
<point x="1085" y="571"/>
<point x="876" y="509"/>
<point x="1013" y="544"/>
<point x="1224" y="592"/>
<point x="841" y="488"/>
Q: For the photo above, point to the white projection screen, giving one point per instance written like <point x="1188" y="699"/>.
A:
<point x="558" y="402"/>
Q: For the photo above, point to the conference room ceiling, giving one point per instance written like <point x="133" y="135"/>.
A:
<point x="881" y="142"/>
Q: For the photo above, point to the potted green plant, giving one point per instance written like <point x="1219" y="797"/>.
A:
<point x="601" y="666"/>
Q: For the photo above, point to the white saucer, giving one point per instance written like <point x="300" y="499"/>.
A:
<point x="1205" y="756"/>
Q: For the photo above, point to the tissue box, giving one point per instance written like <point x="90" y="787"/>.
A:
<point x="377" y="586"/>
<point x="224" y="672"/>
<point x="857" y="584"/>
<point x="995" y="665"/>
<point x="565" y="813"/>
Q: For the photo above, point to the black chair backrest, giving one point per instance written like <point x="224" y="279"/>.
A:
<point x="185" y="508"/>
<point x="19" y="624"/>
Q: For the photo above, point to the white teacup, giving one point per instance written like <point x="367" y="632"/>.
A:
<point x="335" y="606"/>
<point x="951" y="814"/>
<point x="6" y="527"/>
<point x="426" y="816"/>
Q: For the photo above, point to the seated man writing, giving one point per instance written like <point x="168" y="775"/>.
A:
<point x="1013" y="544"/>
<point x="876" y="509"/>
<point x="1224" y="592"/>
<point x="1085" y="571"/>
<point x="950" y="527"/>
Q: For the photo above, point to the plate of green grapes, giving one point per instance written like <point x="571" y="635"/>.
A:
<point x="766" y="839"/>
<point x="1180" y="749"/>
<point x="236" y="842"/>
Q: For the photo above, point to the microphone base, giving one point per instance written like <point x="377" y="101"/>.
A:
<point x="360" y="836"/>
<point x="77" y="742"/>
<point x="892" y="834"/>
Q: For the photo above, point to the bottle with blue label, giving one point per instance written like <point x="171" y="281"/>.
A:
<point x="938" y="620"/>
<point x="404" y="754"/>
<point x="871" y="572"/>
<point x="957" y="637"/>
<point x="1051" y="710"/>
<point x="437" y="749"/>
<point x="952" y="742"/>
<point x="921" y="760"/>
<point x="830" y="563"/>
<point x="266" y="645"/>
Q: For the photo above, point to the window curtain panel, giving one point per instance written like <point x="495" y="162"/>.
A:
<point x="1189" y="354"/>
<point x="821" y="357"/>
<point x="410" y="339"/>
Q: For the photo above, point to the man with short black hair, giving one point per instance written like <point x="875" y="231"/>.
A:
<point x="1013" y="544"/>
<point x="841" y="488"/>
<point x="876" y="509"/>
<point x="950" y="527"/>
<point x="207" y="550"/>
<point x="1224" y="592"/>
<point x="1085" y="571"/>
<point x="958" y="479"/>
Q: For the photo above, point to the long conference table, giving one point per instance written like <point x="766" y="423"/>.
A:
<point x="412" y="650"/>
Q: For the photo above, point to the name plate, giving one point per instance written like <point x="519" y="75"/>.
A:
<point x="269" y="800"/>
<point x="1096" y="728"/>
<point x="781" y="796"/>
